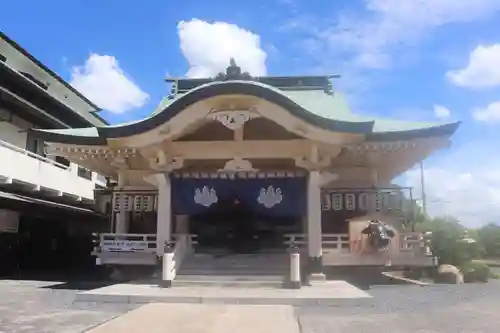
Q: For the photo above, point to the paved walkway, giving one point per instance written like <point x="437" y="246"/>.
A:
<point x="197" y="318"/>
<point x="38" y="307"/>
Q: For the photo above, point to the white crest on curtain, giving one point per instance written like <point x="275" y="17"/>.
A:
<point x="270" y="197"/>
<point x="205" y="197"/>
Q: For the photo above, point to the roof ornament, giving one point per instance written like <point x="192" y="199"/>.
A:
<point x="173" y="90"/>
<point x="233" y="72"/>
<point x="329" y="87"/>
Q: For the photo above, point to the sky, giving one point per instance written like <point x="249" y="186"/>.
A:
<point x="425" y="60"/>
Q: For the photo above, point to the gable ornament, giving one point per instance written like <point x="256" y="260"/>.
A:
<point x="233" y="119"/>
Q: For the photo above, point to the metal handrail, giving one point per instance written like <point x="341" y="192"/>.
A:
<point x="33" y="155"/>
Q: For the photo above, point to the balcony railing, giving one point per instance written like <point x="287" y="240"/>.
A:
<point x="22" y="166"/>
<point x="31" y="154"/>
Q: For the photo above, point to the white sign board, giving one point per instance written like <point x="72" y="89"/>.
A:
<point x="125" y="246"/>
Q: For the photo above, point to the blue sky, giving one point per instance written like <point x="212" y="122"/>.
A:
<point x="429" y="60"/>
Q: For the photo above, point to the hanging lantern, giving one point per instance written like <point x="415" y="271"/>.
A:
<point x="327" y="201"/>
<point x="337" y="202"/>
<point x="350" y="202"/>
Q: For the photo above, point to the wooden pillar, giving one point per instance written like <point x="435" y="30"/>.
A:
<point x="164" y="216"/>
<point x="122" y="217"/>
<point x="314" y="234"/>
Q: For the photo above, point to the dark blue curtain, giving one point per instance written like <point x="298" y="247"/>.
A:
<point x="267" y="196"/>
<point x="274" y="196"/>
<point x="195" y="196"/>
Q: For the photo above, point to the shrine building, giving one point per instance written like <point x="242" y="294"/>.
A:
<point x="242" y="164"/>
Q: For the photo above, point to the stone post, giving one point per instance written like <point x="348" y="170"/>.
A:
<point x="167" y="275"/>
<point x="295" y="280"/>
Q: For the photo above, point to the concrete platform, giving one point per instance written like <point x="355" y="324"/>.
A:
<point x="328" y="293"/>
<point x="195" y="318"/>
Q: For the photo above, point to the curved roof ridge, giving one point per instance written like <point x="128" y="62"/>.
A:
<point x="326" y="111"/>
<point x="243" y="87"/>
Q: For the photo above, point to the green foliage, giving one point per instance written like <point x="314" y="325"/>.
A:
<point x="447" y="244"/>
<point x="446" y="241"/>
<point x="489" y="237"/>
<point x="475" y="272"/>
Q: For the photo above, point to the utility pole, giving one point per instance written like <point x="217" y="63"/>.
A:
<point x="422" y="185"/>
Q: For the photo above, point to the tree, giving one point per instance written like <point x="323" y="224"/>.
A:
<point x="446" y="241"/>
<point x="489" y="237"/>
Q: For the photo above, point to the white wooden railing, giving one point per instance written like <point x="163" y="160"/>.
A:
<point x="408" y="242"/>
<point x="332" y="242"/>
<point x="413" y="242"/>
<point x="144" y="243"/>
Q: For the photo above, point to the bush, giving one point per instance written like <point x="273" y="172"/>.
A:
<point x="413" y="274"/>
<point x="476" y="272"/>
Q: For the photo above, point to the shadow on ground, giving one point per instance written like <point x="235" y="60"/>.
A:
<point x="64" y="280"/>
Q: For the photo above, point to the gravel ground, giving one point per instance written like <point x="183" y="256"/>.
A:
<point x="30" y="306"/>
<point x="471" y="308"/>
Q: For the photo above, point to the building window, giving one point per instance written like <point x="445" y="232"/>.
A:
<point x="62" y="161"/>
<point x="84" y="173"/>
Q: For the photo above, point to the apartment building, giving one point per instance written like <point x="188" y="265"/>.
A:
<point x="46" y="203"/>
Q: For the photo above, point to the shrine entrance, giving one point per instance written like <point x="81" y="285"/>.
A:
<point x="231" y="226"/>
<point x="241" y="215"/>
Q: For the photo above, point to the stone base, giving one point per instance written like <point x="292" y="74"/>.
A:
<point x="316" y="274"/>
<point x="165" y="283"/>
<point x="292" y="284"/>
<point x="117" y="275"/>
<point x="331" y="293"/>
<point x="316" y="278"/>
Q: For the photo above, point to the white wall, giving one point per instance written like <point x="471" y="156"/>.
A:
<point x="29" y="167"/>
<point x="12" y="129"/>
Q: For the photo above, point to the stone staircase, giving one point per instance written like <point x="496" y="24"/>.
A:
<point x="238" y="270"/>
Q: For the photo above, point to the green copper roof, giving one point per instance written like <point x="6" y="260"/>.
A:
<point x="329" y="111"/>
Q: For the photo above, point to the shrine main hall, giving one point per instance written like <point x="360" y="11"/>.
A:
<point x="248" y="164"/>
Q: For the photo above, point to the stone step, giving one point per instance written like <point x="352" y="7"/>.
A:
<point x="227" y="277"/>
<point x="226" y="280"/>
<point x="233" y="270"/>
<point x="229" y="272"/>
<point x="236" y="267"/>
<point x="236" y="261"/>
<point x="228" y="284"/>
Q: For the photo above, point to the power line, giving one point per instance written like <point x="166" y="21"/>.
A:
<point x="422" y="186"/>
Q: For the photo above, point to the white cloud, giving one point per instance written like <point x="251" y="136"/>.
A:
<point x="482" y="71"/>
<point x="209" y="46"/>
<point x="465" y="185"/>
<point x="490" y="113"/>
<point x="386" y="26"/>
<point x="441" y="112"/>
<point x="103" y="81"/>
